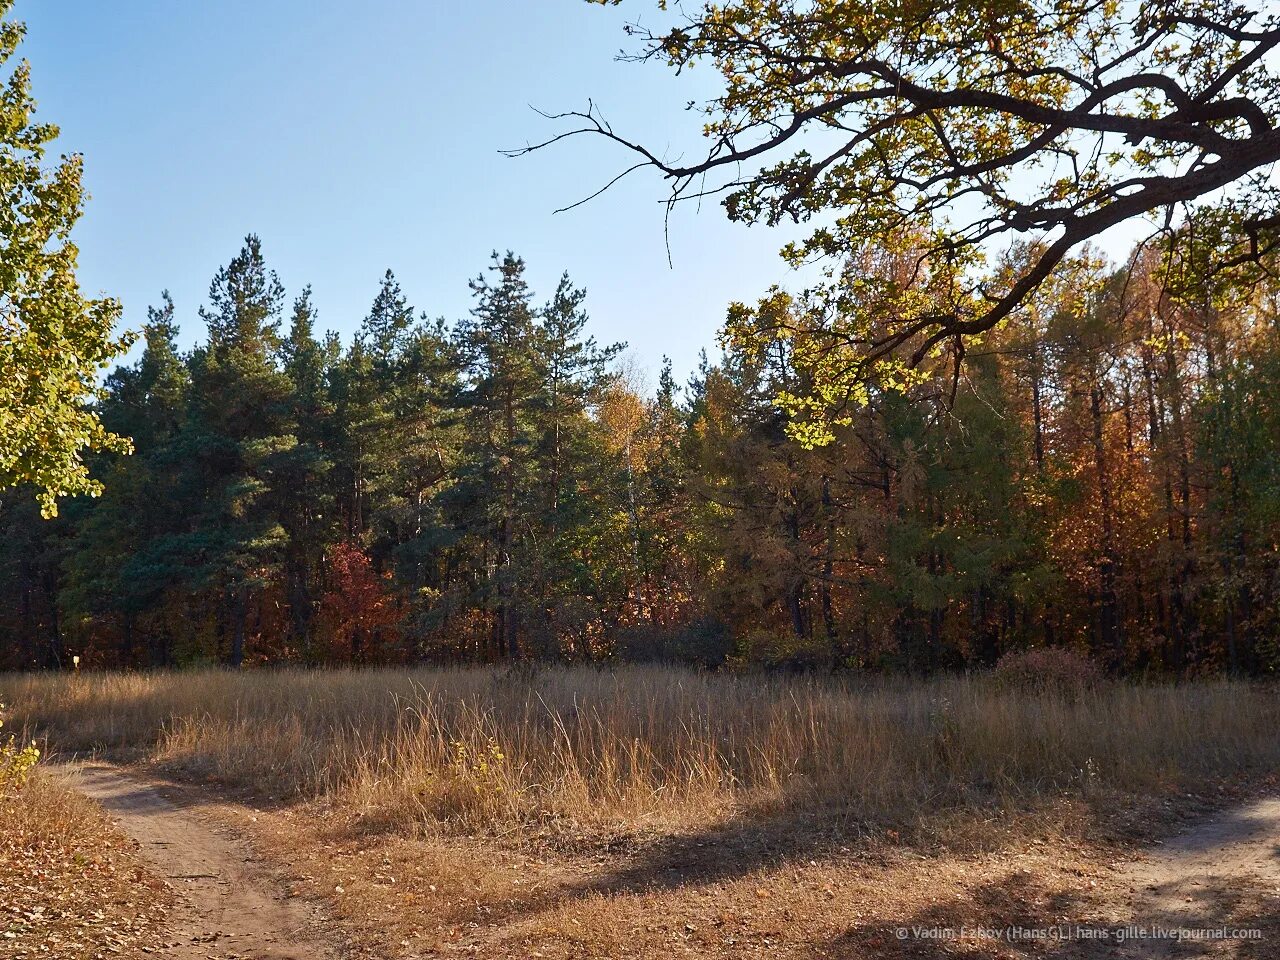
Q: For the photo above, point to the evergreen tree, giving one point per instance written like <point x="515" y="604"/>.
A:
<point x="239" y="424"/>
<point x="428" y="441"/>
<point x="498" y="346"/>
<point x="567" y="574"/>
<point x="1103" y="475"/>
<point x="386" y="329"/>
<point x="301" y="473"/>
<point x="364" y="385"/>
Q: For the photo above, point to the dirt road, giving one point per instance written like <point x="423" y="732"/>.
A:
<point x="1222" y="875"/>
<point x="230" y="907"/>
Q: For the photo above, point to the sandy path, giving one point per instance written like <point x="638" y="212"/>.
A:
<point x="230" y="907"/>
<point x="1223" y="873"/>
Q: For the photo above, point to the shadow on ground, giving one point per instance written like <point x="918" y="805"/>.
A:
<point x="972" y="919"/>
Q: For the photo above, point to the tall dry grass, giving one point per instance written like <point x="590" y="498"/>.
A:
<point x="480" y="749"/>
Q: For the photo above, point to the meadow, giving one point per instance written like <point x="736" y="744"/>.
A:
<point x="598" y="752"/>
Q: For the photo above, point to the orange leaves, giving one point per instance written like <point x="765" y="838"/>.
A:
<point x="357" y="612"/>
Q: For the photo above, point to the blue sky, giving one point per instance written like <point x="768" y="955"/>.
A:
<point x="353" y="138"/>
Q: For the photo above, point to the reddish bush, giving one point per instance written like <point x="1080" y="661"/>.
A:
<point x="1047" y="670"/>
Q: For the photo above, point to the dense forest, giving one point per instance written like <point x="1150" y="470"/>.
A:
<point x="1101" y="473"/>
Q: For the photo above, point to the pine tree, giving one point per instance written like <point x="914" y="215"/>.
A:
<point x="386" y="329"/>
<point x="119" y="565"/>
<point x="305" y="506"/>
<point x="364" y="384"/>
<point x="240" y="438"/>
<point x="569" y="576"/>
<point x="427" y="439"/>
<point x="498" y="345"/>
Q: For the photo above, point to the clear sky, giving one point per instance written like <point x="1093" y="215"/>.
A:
<point x="356" y="137"/>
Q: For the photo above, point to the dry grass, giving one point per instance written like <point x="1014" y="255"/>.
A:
<point x="573" y="751"/>
<point x="654" y="812"/>
<point x="70" y="886"/>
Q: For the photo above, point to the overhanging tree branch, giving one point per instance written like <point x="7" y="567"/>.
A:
<point x="1161" y="105"/>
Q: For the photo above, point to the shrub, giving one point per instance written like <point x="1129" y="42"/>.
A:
<point x="1047" y="670"/>
<point x="15" y="762"/>
<point x="776" y="650"/>
<point x="641" y="643"/>
<point x="706" y="643"/>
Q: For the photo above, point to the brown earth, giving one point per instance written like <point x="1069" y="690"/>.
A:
<point x="230" y="906"/>
<point x="1222" y="876"/>
<point x="743" y="889"/>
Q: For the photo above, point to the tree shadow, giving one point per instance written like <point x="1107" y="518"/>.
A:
<point x="1018" y="916"/>
<point x="727" y="851"/>
<point x="1233" y="825"/>
<point x="752" y="841"/>
<point x="800" y="829"/>
<point x="778" y="836"/>
<point x="996" y="918"/>
<point x="755" y="841"/>
<point x="1247" y="905"/>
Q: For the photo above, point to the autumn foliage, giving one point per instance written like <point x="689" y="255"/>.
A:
<point x="1099" y="475"/>
<point x="356" y="617"/>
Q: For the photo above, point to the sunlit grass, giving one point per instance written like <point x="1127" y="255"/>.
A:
<point x="483" y="749"/>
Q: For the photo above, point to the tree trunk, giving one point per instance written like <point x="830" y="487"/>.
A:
<point x="828" y="564"/>
<point x="1108" y="633"/>
<point x="300" y="611"/>
<point x="55" y="634"/>
<point x="795" y="605"/>
<point x="1037" y="411"/>
<point x="159" y="649"/>
<point x="126" y="640"/>
<point x="27" y="644"/>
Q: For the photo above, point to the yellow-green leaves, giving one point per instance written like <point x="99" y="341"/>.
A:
<point x="16" y="762"/>
<point x="962" y="126"/>
<point x="53" y="341"/>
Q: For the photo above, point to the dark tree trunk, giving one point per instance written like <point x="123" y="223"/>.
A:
<point x="126" y="640"/>
<point x="55" y="637"/>
<point x="240" y="614"/>
<point x="795" y="605"/>
<point x="27" y="643"/>
<point x="300" y="610"/>
<point x="159" y="650"/>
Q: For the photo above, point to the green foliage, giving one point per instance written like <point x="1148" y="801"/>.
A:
<point x="53" y="341"/>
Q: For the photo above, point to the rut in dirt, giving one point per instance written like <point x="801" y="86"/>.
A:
<point x="229" y="906"/>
